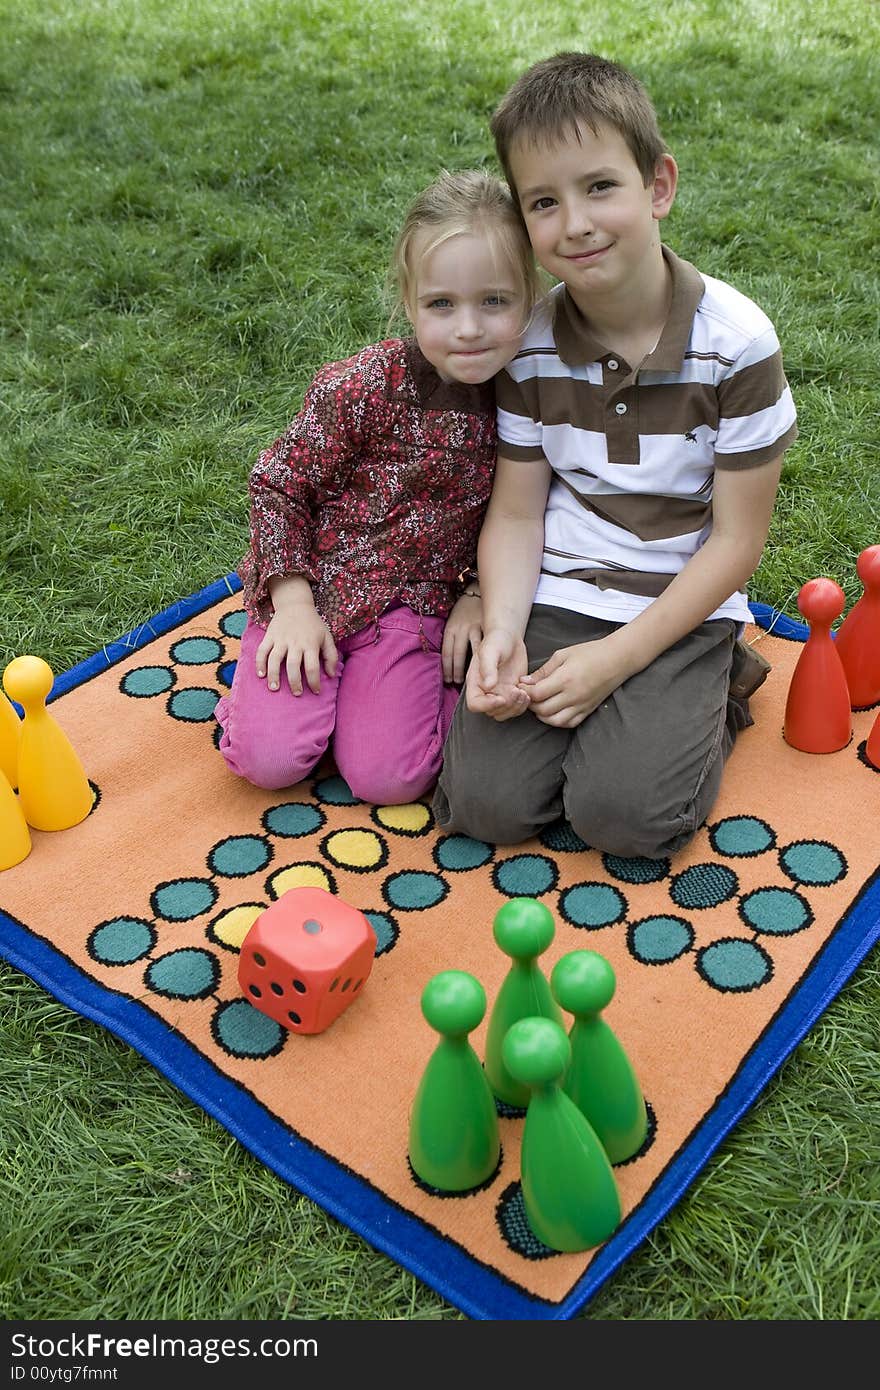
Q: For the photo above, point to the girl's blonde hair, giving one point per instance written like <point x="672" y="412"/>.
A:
<point x="469" y="202"/>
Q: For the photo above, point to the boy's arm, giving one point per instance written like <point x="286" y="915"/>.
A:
<point x="577" y="679"/>
<point x="508" y="560"/>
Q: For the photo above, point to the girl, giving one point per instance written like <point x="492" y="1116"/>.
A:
<point x="365" y="514"/>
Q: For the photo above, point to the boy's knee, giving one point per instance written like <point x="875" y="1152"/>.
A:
<point x="627" y="825"/>
<point x="464" y="806"/>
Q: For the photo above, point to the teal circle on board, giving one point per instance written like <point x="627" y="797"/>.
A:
<point x="245" y="1031"/>
<point x="813" y="862"/>
<point x="458" y="853"/>
<point x="335" y="791"/>
<point x="189" y="973"/>
<point x="561" y="838"/>
<point x="635" y="870"/>
<point x="593" y="905"/>
<point x="525" y="876"/>
<point x="183" y="899"/>
<point x="239" y="855"/>
<point x="122" y="940"/>
<point x="413" y="889"/>
<point x="196" y="651"/>
<point x="776" y="911"/>
<point x="193" y="706"/>
<point x="516" y="1228"/>
<point x="234" y="624"/>
<point x="703" y="885"/>
<point x="146" y="681"/>
<point x="741" y="836"/>
<point x="732" y="965"/>
<point x="292" y="819"/>
<point x="660" y="939"/>
<point x="386" y="930"/>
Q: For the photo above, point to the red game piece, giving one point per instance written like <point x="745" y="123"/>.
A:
<point x="872" y="746"/>
<point x="306" y="958"/>
<point x="818" y="718"/>
<point x="858" y="639"/>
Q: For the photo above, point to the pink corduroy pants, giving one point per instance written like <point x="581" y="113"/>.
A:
<point x="384" y="715"/>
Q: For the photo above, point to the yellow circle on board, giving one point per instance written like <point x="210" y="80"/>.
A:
<point x="231" y="927"/>
<point x="355" y="849"/>
<point x="410" y="820"/>
<point x="299" y="876"/>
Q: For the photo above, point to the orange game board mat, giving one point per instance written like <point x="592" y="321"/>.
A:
<point x="724" y="957"/>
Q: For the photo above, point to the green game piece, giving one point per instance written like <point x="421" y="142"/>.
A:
<point x="523" y="928"/>
<point x="600" y="1079"/>
<point x="453" y="1134"/>
<point x="569" y="1190"/>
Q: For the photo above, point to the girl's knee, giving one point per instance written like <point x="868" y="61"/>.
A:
<point x="388" y="777"/>
<point x="266" y="764"/>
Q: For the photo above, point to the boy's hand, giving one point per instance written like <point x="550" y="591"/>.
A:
<point x="494" y="676"/>
<point x="572" y="683"/>
<point x="298" y="639"/>
<point x="462" y="633"/>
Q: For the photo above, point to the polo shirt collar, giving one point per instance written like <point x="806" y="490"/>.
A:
<point x="577" y="344"/>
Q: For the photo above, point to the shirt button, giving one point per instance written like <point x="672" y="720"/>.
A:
<point x="620" y="408"/>
<point x="613" y="364"/>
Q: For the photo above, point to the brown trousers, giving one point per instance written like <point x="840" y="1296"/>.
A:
<point x="637" y="777"/>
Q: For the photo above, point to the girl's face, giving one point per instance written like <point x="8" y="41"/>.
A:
<point x="467" y="308"/>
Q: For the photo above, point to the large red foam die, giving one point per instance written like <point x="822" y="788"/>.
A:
<point x="306" y="959"/>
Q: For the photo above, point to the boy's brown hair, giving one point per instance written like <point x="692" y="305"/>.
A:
<point x="553" y="96"/>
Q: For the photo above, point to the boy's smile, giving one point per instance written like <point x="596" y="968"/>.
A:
<point x="590" y="218"/>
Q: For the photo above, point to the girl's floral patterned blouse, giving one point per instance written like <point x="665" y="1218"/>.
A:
<point x="375" y="492"/>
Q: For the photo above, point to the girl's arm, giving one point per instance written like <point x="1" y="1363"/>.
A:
<point x="290" y="482"/>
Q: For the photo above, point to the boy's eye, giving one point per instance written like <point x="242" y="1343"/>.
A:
<point x="601" y="185"/>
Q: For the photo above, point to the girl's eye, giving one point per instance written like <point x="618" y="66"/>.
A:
<point x="496" y="301"/>
<point x="541" y="204"/>
<point x="440" y="304"/>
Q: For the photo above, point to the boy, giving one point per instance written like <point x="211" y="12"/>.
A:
<point x="641" y="433"/>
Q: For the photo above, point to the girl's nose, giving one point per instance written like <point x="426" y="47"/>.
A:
<point x="468" y="324"/>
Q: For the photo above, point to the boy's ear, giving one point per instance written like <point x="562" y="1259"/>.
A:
<point x="664" y="186"/>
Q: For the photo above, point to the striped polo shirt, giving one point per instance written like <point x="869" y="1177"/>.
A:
<point x="633" y="452"/>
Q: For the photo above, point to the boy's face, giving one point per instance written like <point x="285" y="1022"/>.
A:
<point x="591" y="220"/>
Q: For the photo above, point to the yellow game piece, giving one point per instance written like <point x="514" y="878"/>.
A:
<point x="52" y="786"/>
<point x="10" y="741"/>
<point x="15" y="838"/>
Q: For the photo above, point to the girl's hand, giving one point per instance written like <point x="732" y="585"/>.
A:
<point x="297" y="638"/>
<point x="462" y="633"/>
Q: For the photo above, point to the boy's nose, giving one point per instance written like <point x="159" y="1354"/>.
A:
<point x="578" y="219"/>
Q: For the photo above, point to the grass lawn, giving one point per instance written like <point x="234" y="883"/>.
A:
<point x="198" y="202"/>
